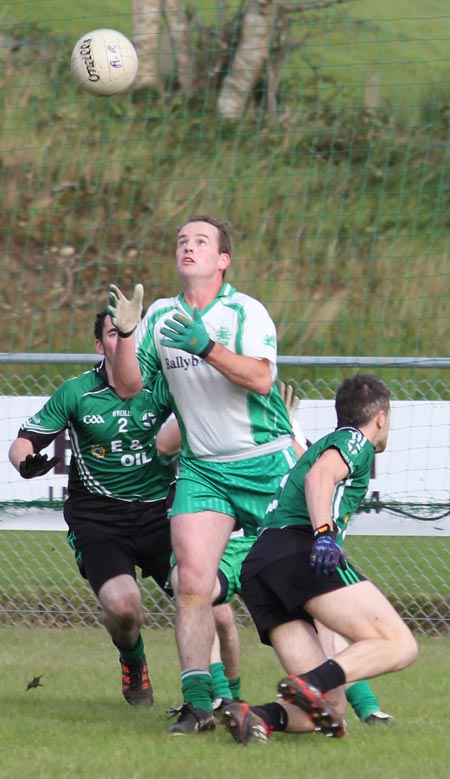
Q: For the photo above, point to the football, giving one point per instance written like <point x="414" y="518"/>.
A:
<point x="104" y="62"/>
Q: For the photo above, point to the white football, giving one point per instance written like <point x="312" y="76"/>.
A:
<point x="104" y="62"/>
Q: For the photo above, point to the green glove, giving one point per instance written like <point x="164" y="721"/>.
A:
<point x="125" y="314"/>
<point x="187" y="334"/>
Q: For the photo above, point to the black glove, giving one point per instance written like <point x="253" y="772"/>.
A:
<point x="36" y="465"/>
<point x="326" y="554"/>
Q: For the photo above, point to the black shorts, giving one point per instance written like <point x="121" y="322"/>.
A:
<point x="277" y="579"/>
<point x="224" y="587"/>
<point x="103" y="550"/>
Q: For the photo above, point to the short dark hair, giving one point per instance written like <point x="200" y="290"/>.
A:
<point x="223" y="227"/>
<point x="359" y="398"/>
<point x="100" y="323"/>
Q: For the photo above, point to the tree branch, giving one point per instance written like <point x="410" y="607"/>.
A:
<point x="313" y="5"/>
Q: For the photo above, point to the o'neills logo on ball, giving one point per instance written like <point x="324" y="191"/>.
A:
<point x="88" y="60"/>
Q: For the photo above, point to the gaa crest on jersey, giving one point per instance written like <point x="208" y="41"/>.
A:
<point x="223" y="336"/>
<point x="269" y="340"/>
<point x="148" y="419"/>
<point x="93" y="419"/>
<point x="355" y="443"/>
<point x="98" y="451"/>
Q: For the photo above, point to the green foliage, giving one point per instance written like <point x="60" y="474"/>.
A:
<point x="339" y="200"/>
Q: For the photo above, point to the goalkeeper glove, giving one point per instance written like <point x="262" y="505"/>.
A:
<point x="326" y="554"/>
<point x="289" y="398"/>
<point x="36" y="465"/>
<point x="291" y="401"/>
<point x="125" y="314"/>
<point x="187" y="334"/>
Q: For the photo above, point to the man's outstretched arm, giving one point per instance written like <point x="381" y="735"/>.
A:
<point x="126" y="316"/>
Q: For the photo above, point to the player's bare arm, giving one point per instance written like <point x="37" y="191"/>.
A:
<point x="126" y="370"/>
<point x="168" y="440"/>
<point x="190" y="335"/>
<point x="18" y="451"/>
<point x="27" y="462"/>
<point x="320" y="482"/>
<point x="247" y="372"/>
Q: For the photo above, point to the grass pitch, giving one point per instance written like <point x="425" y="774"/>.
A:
<point x="78" y="725"/>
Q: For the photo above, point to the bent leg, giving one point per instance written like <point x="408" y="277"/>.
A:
<point x="298" y="648"/>
<point x="381" y="641"/>
<point x="123" y="615"/>
<point x="360" y="695"/>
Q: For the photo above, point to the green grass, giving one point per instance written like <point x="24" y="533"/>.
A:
<point x="77" y="724"/>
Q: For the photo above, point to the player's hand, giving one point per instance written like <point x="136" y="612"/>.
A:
<point x="125" y="314"/>
<point x="289" y="398"/>
<point x="36" y="465"/>
<point x="187" y="334"/>
<point x="326" y="554"/>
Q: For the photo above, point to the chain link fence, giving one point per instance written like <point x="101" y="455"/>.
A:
<point x="402" y="545"/>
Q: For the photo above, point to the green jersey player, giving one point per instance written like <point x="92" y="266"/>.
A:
<point x="297" y="573"/>
<point x="118" y="493"/>
<point x="217" y="349"/>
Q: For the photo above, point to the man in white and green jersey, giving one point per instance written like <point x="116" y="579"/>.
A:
<point x="296" y="573"/>
<point x="217" y="349"/>
<point x="119" y="493"/>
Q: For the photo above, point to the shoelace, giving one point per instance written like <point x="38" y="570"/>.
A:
<point x="174" y="710"/>
<point x="134" y="675"/>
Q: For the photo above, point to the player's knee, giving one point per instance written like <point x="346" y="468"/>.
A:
<point x="194" y="585"/>
<point x="193" y="590"/>
<point x="224" y="616"/>
<point x="408" y="650"/>
<point x="127" y="612"/>
<point x="403" y="648"/>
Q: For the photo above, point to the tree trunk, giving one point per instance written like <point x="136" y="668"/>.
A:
<point x="251" y="55"/>
<point x="181" y="39"/>
<point x="146" y="18"/>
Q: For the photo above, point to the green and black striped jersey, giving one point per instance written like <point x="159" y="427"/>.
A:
<point x="113" y="440"/>
<point x="289" y="507"/>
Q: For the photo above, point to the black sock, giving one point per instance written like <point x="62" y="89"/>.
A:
<point x="273" y="714"/>
<point x="326" y="676"/>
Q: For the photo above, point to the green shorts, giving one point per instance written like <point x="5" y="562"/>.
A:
<point x="230" y="566"/>
<point x="242" y="489"/>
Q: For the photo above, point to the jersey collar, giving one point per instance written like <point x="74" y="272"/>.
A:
<point x="357" y="430"/>
<point x="225" y="291"/>
<point x="100" y="370"/>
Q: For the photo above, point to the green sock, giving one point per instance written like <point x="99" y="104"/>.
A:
<point x="362" y="699"/>
<point x="196" y="686"/>
<point x="137" y="653"/>
<point x="235" y="687"/>
<point x="220" y="683"/>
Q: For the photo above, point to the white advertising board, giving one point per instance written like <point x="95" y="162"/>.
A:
<point x="415" y="468"/>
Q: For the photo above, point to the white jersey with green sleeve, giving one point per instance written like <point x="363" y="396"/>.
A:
<point x="219" y="420"/>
